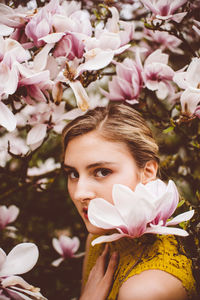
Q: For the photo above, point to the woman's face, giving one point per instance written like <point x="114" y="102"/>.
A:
<point x="93" y="164"/>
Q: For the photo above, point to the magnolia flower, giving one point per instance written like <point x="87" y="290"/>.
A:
<point x="157" y="74"/>
<point x="45" y="116"/>
<point x="164" y="40"/>
<point x="128" y="82"/>
<point x="8" y="215"/>
<point x="132" y="214"/>
<point x="190" y="82"/>
<point x="165" y="10"/>
<point x="21" y="259"/>
<point x="66" y="247"/>
<point x="48" y="166"/>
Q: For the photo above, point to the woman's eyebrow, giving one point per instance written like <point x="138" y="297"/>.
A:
<point x="90" y="166"/>
<point x="64" y="166"/>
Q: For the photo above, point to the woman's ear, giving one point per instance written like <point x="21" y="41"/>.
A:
<point x="150" y="171"/>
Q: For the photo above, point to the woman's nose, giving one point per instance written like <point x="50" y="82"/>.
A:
<point x="84" y="191"/>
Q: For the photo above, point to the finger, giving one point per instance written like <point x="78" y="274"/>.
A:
<point x="101" y="261"/>
<point x="112" y="266"/>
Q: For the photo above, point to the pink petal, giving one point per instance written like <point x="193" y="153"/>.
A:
<point x="69" y="244"/>
<point x="167" y="202"/>
<point x="23" y="292"/>
<point x="40" y="60"/>
<point x="148" y="4"/>
<point x="158" y="57"/>
<point x="57" y="246"/>
<point x="115" y="90"/>
<point x="37" y="134"/>
<point x="136" y="208"/>
<point x="108" y="238"/>
<point x="76" y="244"/>
<point x="193" y="71"/>
<point x="5" y="30"/>
<point x="16" y="280"/>
<point x="73" y="114"/>
<point x="7" y="119"/>
<point x="57" y="262"/>
<point x="189" y="101"/>
<point x="110" y="218"/>
<point x="166" y="230"/>
<point x="186" y="216"/>
<point x="96" y="59"/>
<point x="52" y="37"/>
<point x="80" y="93"/>
<point x="21" y="259"/>
<point x="2" y="257"/>
<point x="35" y="78"/>
<point x="13" y="212"/>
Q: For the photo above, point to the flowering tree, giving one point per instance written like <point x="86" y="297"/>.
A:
<point x="61" y="58"/>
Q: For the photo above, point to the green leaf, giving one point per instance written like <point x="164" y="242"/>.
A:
<point x="169" y="129"/>
<point x="181" y="203"/>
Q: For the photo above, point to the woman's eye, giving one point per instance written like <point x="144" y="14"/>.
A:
<point x="102" y="172"/>
<point x="72" y="174"/>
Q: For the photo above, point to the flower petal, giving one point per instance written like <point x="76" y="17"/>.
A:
<point x="40" y="60"/>
<point x="167" y="202"/>
<point x="21" y="259"/>
<point x="80" y="93"/>
<point x="186" y="216"/>
<point x="2" y="257"/>
<point x="57" y="262"/>
<point x="96" y="59"/>
<point x="36" y="134"/>
<point x="7" y="119"/>
<point x="110" y="217"/>
<point x="52" y="37"/>
<point x="35" y="295"/>
<point x="15" y="280"/>
<point x="136" y="208"/>
<point x="13" y="213"/>
<point x="166" y="230"/>
<point x="108" y="238"/>
<point x="57" y="246"/>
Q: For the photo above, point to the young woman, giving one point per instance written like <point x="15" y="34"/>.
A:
<point x="114" y="145"/>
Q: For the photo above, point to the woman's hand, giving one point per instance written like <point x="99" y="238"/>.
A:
<point x="101" y="278"/>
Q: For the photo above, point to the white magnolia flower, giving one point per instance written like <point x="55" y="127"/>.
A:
<point x="146" y="210"/>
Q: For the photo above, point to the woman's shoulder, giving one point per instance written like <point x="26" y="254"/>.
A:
<point x="152" y="285"/>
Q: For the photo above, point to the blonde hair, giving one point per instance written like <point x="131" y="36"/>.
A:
<point x="117" y="123"/>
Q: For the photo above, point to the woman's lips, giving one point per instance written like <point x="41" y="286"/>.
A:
<point x="85" y="212"/>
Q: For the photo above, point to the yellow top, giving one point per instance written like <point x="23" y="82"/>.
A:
<point x="145" y="253"/>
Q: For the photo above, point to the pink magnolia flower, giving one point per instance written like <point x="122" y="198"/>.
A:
<point x="8" y="215"/>
<point x="21" y="259"/>
<point x="66" y="247"/>
<point x="164" y="40"/>
<point x="42" y="24"/>
<point x="47" y="166"/>
<point x="123" y="32"/>
<point x="157" y="74"/>
<point x="45" y="116"/>
<point x="11" y="54"/>
<point x="190" y="82"/>
<point x="13" y="18"/>
<point x="132" y="214"/>
<point x="165" y="9"/>
<point x="36" y="84"/>
<point x="128" y="82"/>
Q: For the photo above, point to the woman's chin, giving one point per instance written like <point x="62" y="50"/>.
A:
<point x="96" y="230"/>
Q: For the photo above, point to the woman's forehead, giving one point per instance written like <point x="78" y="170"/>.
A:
<point x="92" y="148"/>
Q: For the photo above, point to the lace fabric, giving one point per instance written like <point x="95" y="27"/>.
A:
<point x="145" y="253"/>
